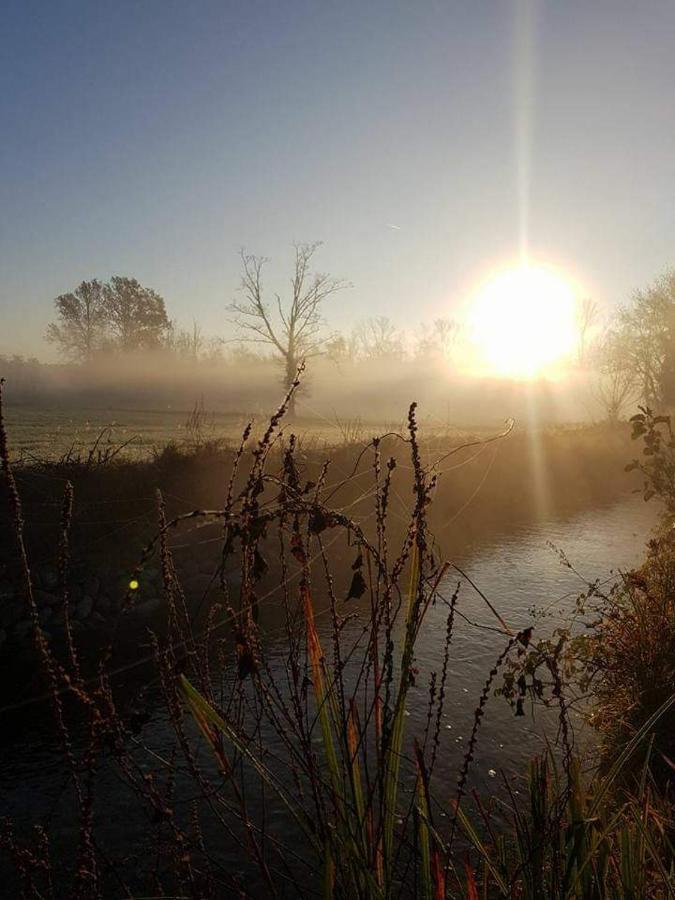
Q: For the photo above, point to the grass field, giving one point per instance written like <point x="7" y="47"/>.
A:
<point x="49" y="433"/>
<point x="40" y="432"/>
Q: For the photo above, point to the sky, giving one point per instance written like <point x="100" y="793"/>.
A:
<point x="155" y="139"/>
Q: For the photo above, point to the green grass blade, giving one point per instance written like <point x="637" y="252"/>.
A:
<point x="201" y="709"/>
<point x="668" y="878"/>
<point x="328" y="873"/>
<point x="627" y="752"/>
<point x="478" y="845"/>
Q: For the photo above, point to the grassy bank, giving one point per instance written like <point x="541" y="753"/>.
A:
<point x="483" y="487"/>
<point x="629" y="659"/>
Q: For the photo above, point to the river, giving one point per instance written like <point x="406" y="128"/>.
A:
<point x="517" y="571"/>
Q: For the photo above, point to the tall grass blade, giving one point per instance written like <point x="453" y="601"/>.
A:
<point x="203" y="712"/>
<point x="328" y="873"/>
<point x="657" y="858"/>
<point x="392" y="763"/>
<point x="626" y="753"/>
<point x="321" y="693"/>
<point x="478" y="845"/>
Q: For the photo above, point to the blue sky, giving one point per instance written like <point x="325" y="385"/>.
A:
<point x="155" y="139"/>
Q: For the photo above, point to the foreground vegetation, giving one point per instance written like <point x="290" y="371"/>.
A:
<point x="304" y="762"/>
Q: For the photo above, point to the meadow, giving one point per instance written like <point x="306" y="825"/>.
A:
<point x="52" y="432"/>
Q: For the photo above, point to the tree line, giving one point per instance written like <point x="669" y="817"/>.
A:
<point x="96" y="317"/>
<point x="124" y="316"/>
<point x="632" y="356"/>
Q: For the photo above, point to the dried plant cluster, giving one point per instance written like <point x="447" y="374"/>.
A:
<point x="302" y="768"/>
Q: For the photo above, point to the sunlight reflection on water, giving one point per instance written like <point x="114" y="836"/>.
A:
<point x="516" y="571"/>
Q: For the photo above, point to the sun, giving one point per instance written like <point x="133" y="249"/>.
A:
<point x="523" y="322"/>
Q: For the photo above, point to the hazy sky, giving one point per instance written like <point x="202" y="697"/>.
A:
<point x="155" y="138"/>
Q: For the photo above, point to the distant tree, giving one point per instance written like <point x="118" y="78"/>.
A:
<point x="26" y="376"/>
<point x="337" y="348"/>
<point x="588" y="314"/>
<point x="379" y="338"/>
<point x="342" y="348"/>
<point x="294" y="330"/>
<point x="188" y="343"/>
<point x="135" y="315"/>
<point x="213" y="350"/>
<point x="243" y="354"/>
<point x="438" y="339"/>
<point x="445" y="332"/>
<point x="81" y="322"/>
<point x="615" y="387"/>
<point x="647" y="329"/>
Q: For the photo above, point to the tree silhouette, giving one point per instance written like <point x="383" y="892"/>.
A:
<point x="294" y="329"/>
<point x="437" y="340"/>
<point x="188" y="343"/>
<point x="80" y="326"/>
<point x="379" y="338"/>
<point x="135" y="315"/>
<point x="647" y="329"/>
<point x="616" y="386"/>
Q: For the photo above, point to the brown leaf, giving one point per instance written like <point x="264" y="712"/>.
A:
<point x="317" y="521"/>
<point x="297" y="549"/>
<point x="471" y="886"/>
<point x="357" y="587"/>
<point x="259" y="565"/>
<point x="246" y="664"/>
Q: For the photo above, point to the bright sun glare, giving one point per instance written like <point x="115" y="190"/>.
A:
<point x="523" y="322"/>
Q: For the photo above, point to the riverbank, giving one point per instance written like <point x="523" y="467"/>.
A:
<point x="329" y="738"/>
<point x="483" y="490"/>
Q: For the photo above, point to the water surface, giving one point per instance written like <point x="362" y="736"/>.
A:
<point x="518" y="571"/>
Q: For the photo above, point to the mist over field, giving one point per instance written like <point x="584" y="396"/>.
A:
<point x="373" y="391"/>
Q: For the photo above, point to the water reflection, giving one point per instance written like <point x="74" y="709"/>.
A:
<point x="518" y="572"/>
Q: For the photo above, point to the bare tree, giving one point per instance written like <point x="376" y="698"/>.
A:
<point x="438" y="339"/>
<point x="80" y="328"/>
<point x="615" y="390"/>
<point x="213" y="350"/>
<point x="378" y="338"/>
<point x="616" y="386"/>
<point x="588" y="314"/>
<point x="341" y="348"/>
<point x="294" y="329"/>
<point x="186" y="342"/>
<point x="446" y="332"/>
